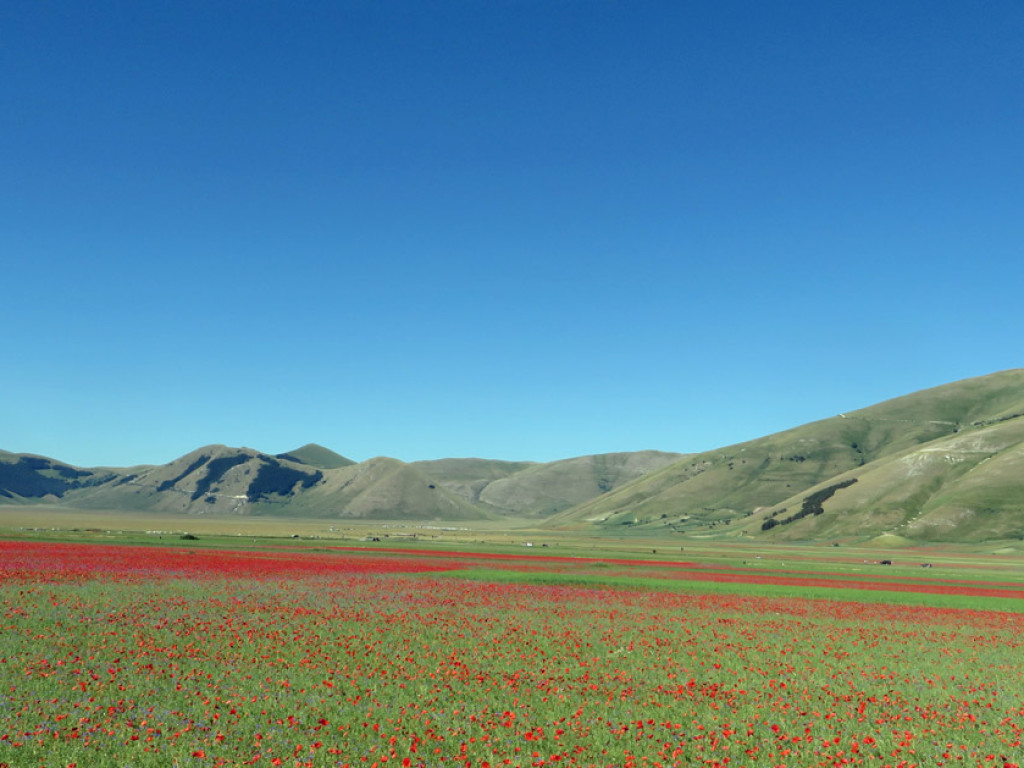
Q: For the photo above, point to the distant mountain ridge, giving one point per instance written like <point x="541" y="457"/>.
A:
<point x="313" y="481"/>
<point x="942" y="464"/>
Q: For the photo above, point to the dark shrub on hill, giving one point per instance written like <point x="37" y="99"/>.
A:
<point x="90" y="480"/>
<point x="812" y="505"/>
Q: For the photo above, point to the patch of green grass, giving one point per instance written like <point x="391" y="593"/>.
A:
<point x="895" y="597"/>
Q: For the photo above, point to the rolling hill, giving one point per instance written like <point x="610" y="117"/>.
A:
<point x="316" y="456"/>
<point x="313" y="481"/>
<point x="965" y="487"/>
<point x="539" y="490"/>
<point x="736" y="490"/>
<point x="942" y="464"/>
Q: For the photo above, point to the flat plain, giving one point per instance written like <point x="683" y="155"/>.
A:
<point x="148" y="649"/>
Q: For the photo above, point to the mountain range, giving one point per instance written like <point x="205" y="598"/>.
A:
<point x="942" y="464"/>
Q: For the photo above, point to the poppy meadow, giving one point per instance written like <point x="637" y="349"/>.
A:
<point x="145" y="656"/>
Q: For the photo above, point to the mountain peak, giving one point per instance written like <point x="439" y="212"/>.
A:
<point x="317" y="456"/>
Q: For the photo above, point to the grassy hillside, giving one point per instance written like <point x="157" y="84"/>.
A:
<point x="722" y="488"/>
<point x="539" y="490"/>
<point x="381" y="488"/>
<point x="965" y="487"/>
<point x="313" y="481"/>
<point x="469" y="477"/>
<point x="215" y="479"/>
<point x="943" y="464"/>
<point x="222" y="480"/>
<point x="314" y="455"/>
<point x="25" y="478"/>
<point x="470" y="470"/>
<point x="545" y="489"/>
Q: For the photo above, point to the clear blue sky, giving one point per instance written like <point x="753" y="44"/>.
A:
<point x="524" y="229"/>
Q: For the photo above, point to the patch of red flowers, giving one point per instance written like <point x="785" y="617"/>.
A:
<point x="201" y="658"/>
<point x="59" y="561"/>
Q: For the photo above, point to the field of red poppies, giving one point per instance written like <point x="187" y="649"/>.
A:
<point x="134" y="656"/>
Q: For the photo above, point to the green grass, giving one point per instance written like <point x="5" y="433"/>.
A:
<point x="895" y="597"/>
<point x="329" y="671"/>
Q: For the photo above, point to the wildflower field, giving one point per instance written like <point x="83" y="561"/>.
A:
<point x="145" y="656"/>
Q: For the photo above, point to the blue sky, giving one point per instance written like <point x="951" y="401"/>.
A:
<point x="514" y="229"/>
